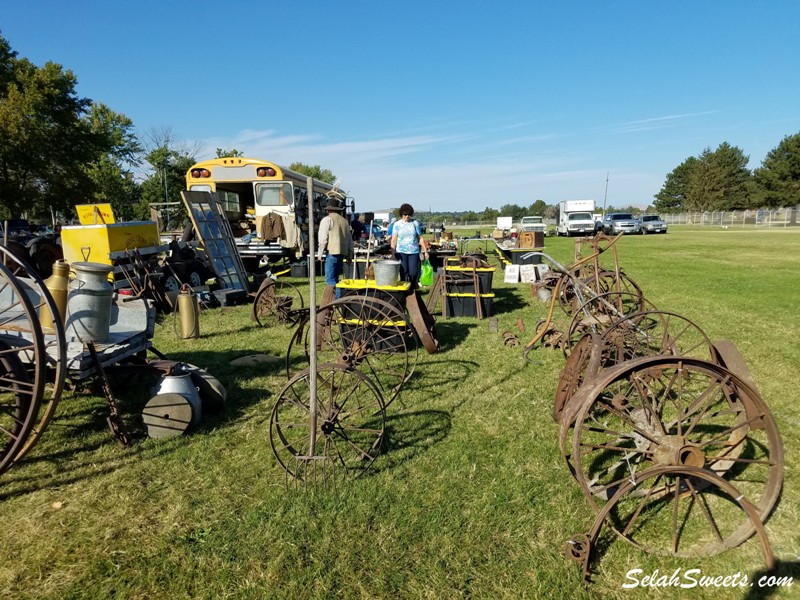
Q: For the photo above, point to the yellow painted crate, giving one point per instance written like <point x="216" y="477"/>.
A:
<point x="105" y="243"/>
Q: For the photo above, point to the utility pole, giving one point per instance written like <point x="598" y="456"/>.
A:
<point x="605" y="196"/>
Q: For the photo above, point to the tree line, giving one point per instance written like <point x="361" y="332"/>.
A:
<point x="719" y="180"/>
<point x="58" y="149"/>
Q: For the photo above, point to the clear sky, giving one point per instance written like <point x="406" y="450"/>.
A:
<point x="449" y="104"/>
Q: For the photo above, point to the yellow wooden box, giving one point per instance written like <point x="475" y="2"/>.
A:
<point x="105" y="243"/>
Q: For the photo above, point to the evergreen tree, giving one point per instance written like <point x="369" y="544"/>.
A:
<point x="777" y="180"/>
<point x="672" y="197"/>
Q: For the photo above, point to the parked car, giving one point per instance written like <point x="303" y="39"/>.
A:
<point x="377" y="231"/>
<point x="615" y="223"/>
<point x="652" y="224"/>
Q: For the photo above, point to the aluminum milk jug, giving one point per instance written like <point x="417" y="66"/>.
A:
<point x="89" y="302"/>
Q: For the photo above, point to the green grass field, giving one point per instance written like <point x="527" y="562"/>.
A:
<point x="469" y="499"/>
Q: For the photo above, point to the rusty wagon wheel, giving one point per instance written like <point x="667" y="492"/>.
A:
<point x="581" y="364"/>
<point x="54" y="343"/>
<point x="22" y="366"/>
<point x="675" y="411"/>
<point x="678" y="511"/>
<point x="599" y="312"/>
<point x="649" y="333"/>
<point x="654" y="332"/>
<point x="277" y="303"/>
<point x="423" y="322"/>
<point x="362" y="332"/>
<point x="349" y="429"/>
<point x="594" y="285"/>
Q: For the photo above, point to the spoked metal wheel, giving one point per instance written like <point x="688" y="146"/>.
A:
<point x="423" y="321"/>
<point x="648" y="333"/>
<point x="364" y="333"/>
<point x="22" y="366"/>
<point x="679" y="511"/>
<point x="55" y="347"/>
<point x="675" y="411"/>
<point x="581" y="364"/>
<point x="595" y="285"/>
<point x="655" y="332"/>
<point x="599" y="312"/>
<point x="349" y="427"/>
<point x="277" y="303"/>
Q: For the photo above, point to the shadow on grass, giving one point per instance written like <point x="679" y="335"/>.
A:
<point x="409" y="434"/>
<point x="508" y="300"/>
<point x="438" y="376"/>
<point x="765" y="583"/>
<point x="85" y="464"/>
<point x="450" y="333"/>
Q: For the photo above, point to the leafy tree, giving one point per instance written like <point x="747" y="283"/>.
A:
<point x="512" y="210"/>
<point x="537" y="208"/>
<point x="777" y="180"/>
<point x="489" y="215"/>
<point x="551" y="211"/>
<point x="46" y="142"/>
<point x="111" y="172"/>
<point x="169" y="162"/>
<point x="222" y="153"/>
<point x="719" y="181"/>
<point x="315" y="171"/>
<point x="672" y="196"/>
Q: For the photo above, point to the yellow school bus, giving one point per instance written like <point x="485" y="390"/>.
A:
<point x="254" y="192"/>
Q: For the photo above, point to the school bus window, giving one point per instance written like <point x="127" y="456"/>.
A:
<point x="273" y="194"/>
<point x="229" y="200"/>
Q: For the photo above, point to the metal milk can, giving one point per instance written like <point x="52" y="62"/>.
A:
<point x="89" y="302"/>
<point x="58" y="286"/>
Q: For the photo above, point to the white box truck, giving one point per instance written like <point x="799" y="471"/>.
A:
<point x="575" y="217"/>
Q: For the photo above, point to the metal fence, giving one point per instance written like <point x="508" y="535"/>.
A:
<point x="781" y="217"/>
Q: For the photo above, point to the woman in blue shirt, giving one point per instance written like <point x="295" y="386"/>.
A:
<point x="407" y="242"/>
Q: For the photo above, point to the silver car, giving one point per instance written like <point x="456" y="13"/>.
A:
<point x="615" y="223"/>
<point x="652" y="224"/>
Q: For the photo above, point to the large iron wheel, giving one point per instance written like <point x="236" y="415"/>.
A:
<point x="599" y="312"/>
<point x="55" y="346"/>
<point x="654" y="332"/>
<point x="364" y="333"/>
<point x="675" y="411"/>
<point x="680" y="511"/>
<point x="349" y="428"/>
<point x="22" y="375"/>
<point x="277" y="303"/>
<point x="423" y="322"/>
<point x="603" y="282"/>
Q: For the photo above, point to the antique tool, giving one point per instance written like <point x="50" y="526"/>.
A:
<point x="114" y="419"/>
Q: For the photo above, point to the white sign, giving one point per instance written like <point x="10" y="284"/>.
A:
<point x="511" y="274"/>
<point x="505" y="222"/>
<point x="527" y="273"/>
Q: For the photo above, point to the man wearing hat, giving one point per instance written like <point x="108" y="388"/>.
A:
<point x="336" y="238"/>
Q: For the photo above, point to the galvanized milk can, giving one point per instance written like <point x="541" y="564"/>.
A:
<point x="89" y="302"/>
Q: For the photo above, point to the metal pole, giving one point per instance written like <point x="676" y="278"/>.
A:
<point x="312" y="320"/>
<point x="605" y="196"/>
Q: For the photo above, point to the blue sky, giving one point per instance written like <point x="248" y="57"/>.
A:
<point x="448" y="105"/>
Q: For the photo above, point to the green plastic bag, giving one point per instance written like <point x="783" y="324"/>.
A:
<point x="426" y="274"/>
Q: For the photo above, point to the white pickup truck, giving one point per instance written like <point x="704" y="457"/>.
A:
<point x="533" y="224"/>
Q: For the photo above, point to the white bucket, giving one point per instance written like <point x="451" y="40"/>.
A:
<point x="387" y="272"/>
